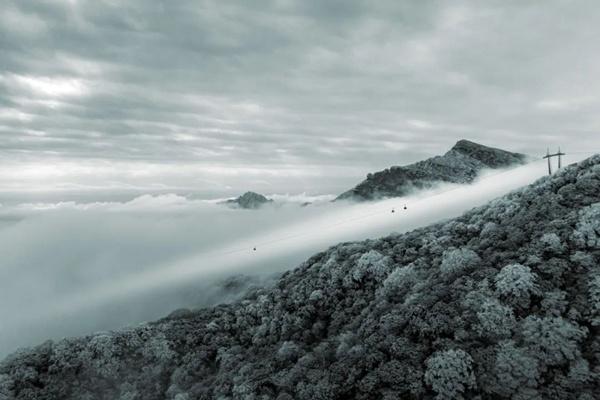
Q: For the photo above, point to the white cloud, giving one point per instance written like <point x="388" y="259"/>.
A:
<point x="419" y="124"/>
<point x="565" y="104"/>
<point x="50" y="87"/>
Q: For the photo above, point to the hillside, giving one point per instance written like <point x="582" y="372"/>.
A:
<point x="502" y="302"/>
<point x="461" y="164"/>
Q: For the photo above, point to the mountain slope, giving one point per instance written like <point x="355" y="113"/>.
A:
<point x="461" y="164"/>
<point x="502" y="302"/>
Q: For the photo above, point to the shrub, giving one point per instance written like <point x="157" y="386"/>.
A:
<point x="450" y="373"/>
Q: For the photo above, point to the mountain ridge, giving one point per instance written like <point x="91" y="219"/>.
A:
<point x="460" y="164"/>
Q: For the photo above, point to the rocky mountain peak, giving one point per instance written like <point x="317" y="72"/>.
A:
<point x="460" y="164"/>
<point x="490" y="156"/>
<point x="249" y="200"/>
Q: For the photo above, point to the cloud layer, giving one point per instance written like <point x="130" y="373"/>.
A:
<point x="211" y="94"/>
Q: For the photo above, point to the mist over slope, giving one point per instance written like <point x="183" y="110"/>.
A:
<point x="461" y="164"/>
<point x="71" y="268"/>
<point x="502" y="302"/>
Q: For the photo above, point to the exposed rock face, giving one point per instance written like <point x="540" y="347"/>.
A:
<point x="500" y="303"/>
<point x="249" y="200"/>
<point x="459" y="165"/>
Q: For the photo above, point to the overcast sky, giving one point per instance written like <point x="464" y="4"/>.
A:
<point x="282" y="95"/>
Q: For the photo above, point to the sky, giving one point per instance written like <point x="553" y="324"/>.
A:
<point x="282" y="95"/>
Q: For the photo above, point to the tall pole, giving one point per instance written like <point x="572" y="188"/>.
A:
<point x="559" y="158"/>
<point x="559" y="154"/>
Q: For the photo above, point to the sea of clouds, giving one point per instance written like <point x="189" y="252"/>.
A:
<point x="71" y="268"/>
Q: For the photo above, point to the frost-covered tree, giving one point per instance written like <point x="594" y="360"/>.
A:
<point x="399" y="282"/>
<point x="490" y="231"/>
<point x="494" y="320"/>
<point x="401" y="376"/>
<point x="157" y="348"/>
<point x="580" y="373"/>
<point x="127" y="391"/>
<point x="371" y="262"/>
<point x="551" y="244"/>
<point x="594" y="298"/>
<point x="288" y="351"/>
<point x="515" y="283"/>
<point x="450" y="373"/>
<point x="587" y="233"/>
<point x="457" y="261"/>
<point x="102" y="354"/>
<point x="6" y="384"/>
<point x="554" y="303"/>
<point x="514" y="369"/>
<point x="553" y="340"/>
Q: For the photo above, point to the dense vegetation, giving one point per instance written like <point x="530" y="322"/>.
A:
<point x="461" y="164"/>
<point x="503" y="302"/>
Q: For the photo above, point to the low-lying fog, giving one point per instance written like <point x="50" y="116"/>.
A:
<point x="72" y="268"/>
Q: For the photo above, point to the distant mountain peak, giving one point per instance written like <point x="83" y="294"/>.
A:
<point x="460" y="164"/>
<point x="249" y="200"/>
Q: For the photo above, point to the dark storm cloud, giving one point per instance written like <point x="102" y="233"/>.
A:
<point x="293" y="83"/>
